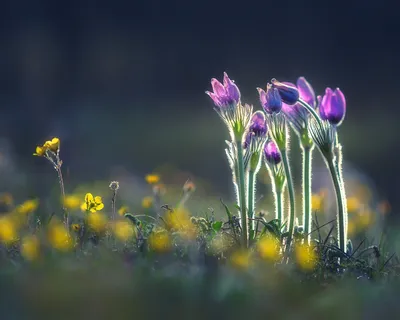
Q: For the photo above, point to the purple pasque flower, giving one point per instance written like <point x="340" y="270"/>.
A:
<point x="287" y="91"/>
<point x="332" y="106"/>
<point x="224" y="94"/>
<point x="271" y="153"/>
<point x="297" y="114"/>
<point x="258" y="124"/>
<point x="270" y="100"/>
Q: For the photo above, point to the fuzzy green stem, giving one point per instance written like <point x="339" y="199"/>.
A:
<point x="312" y="111"/>
<point x="339" y="201"/>
<point x="251" y="204"/>
<point x="288" y="174"/>
<point x="279" y="205"/>
<point x="242" y="194"/>
<point x="306" y="184"/>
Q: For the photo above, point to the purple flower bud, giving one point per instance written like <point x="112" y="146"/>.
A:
<point x="271" y="100"/>
<point x="306" y="91"/>
<point x="258" y="124"/>
<point x="288" y="91"/>
<point x="272" y="153"/>
<point x="247" y="139"/>
<point x="332" y="106"/>
<point x="224" y="94"/>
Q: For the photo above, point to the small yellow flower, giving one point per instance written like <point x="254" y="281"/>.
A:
<point x="179" y="220"/>
<point x="147" y="202"/>
<point x="241" y="259"/>
<point x="8" y="232"/>
<point x="353" y="204"/>
<point x="160" y="241"/>
<point x="268" y="248"/>
<point x="7" y="199"/>
<point x="71" y="202"/>
<point x="305" y="256"/>
<point x="30" y="247"/>
<point x="97" y="221"/>
<point x="124" y="230"/>
<point x="40" y="151"/>
<point x="53" y="144"/>
<point x="123" y="210"/>
<point x="59" y="238"/>
<point x="28" y="206"/>
<point x="76" y="227"/>
<point x="317" y="202"/>
<point x="152" y="178"/>
<point x="92" y="204"/>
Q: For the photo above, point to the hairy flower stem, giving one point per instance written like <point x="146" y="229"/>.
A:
<point x="306" y="185"/>
<point x="288" y="174"/>
<point x="340" y="203"/>
<point x="251" y="204"/>
<point x="279" y="206"/>
<point x="242" y="194"/>
<point x="113" y="209"/>
<point x="62" y="189"/>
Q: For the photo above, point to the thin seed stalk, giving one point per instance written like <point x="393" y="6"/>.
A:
<point x="61" y="182"/>
<point x="306" y="185"/>
<point x="288" y="174"/>
<point x="251" y="192"/>
<point x="340" y="204"/>
<point x="242" y="195"/>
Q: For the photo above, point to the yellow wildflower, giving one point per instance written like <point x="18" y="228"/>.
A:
<point x="365" y="219"/>
<point x="7" y="199"/>
<point x="152" y="178"/>
<point x="30" y="247"/>
<point x="241" y="259"/>
<point x="40" y="151"/>
<point x="124" y="230"/>
<point x="92" y="204"/>
<point x="123" y="210"/>
<point x="305" y="256"/>
<point x="160" y="241"/>
<point x="179" y="220"/>
<point x="28" y="206"/>
<point x="353" y="204"/>
<point x="53" y="144"/>
<point x="71" y="202"/>
<point x="59" y="237"/>
<point x="268" y="248"/>
<point x="317" y="202"/>
<point x="147" y="202"/>
<point x="8" y="232"/>
<point x="97" y="221"/>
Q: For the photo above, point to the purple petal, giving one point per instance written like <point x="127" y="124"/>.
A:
<point x="263" y="96"/>
<point x="218" y="88"/>
<point x="215" y="98"/>
<point x="258" y="124"/>
<point x="231" y="88"/>
<point x="306" y="91"/>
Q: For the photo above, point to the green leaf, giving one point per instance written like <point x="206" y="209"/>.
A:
<point x="228" y="212"/>
<point x="217" y="225"/>
<point x="132" y="218"/>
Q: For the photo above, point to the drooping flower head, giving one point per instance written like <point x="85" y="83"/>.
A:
<point x="297" y="114"/>
<point x="270" y="100"/>
<point x="332" y="106"/>
<point x="258" y="124"/>
<point x="287" y="91"/>
<point x="271" y="153"/>
<point x="224" y="94"/>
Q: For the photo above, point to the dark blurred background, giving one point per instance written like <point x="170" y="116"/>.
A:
<point x="122" y="82"/>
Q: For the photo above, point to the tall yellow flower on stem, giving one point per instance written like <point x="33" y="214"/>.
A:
<point x="51" y="151"/>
